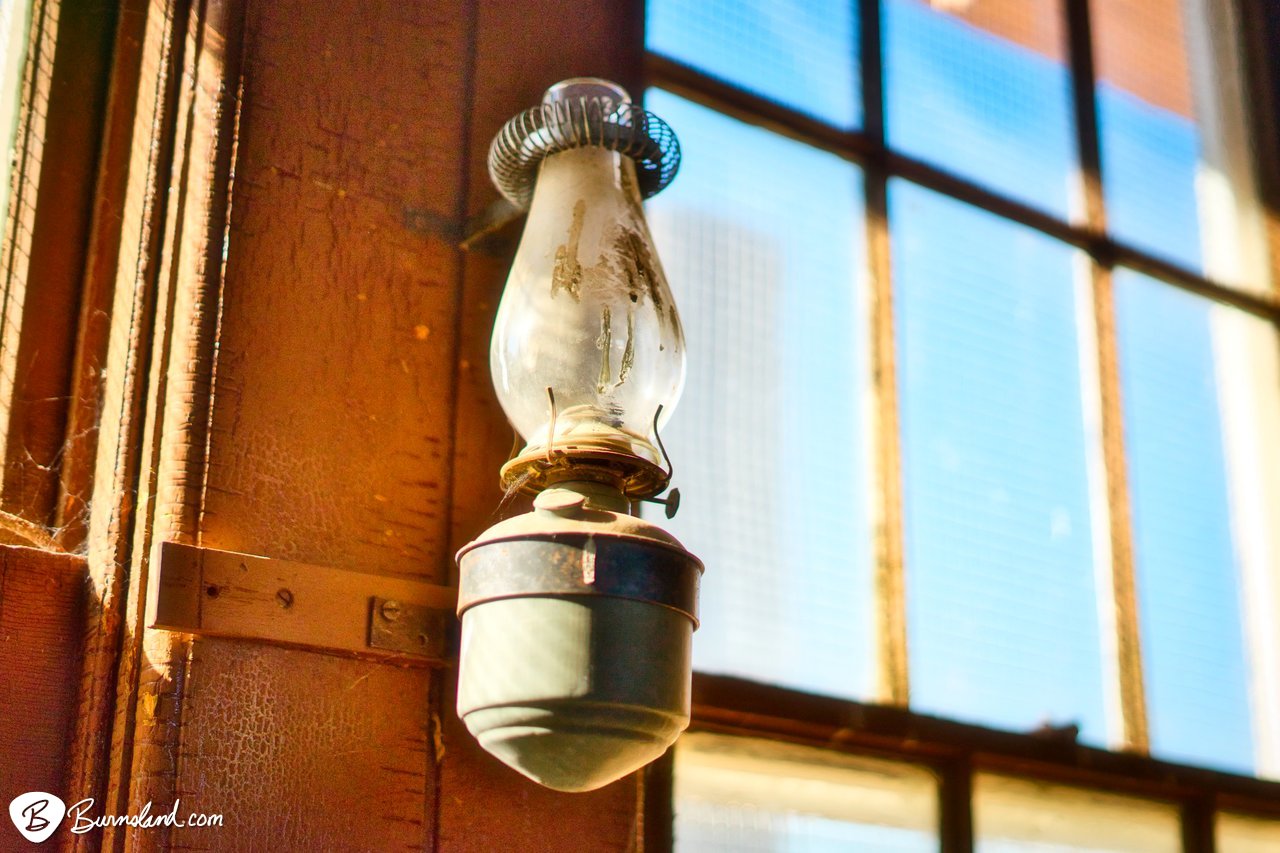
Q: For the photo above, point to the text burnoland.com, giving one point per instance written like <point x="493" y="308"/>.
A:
<point x="37" y="815"/>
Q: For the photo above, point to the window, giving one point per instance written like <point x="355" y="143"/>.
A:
<point x="55" y="67"/>
<point x="983" y="358"/>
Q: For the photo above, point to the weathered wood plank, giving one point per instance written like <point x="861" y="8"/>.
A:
<point x="58" y="153"/>
<point x="41" y="610"/>
<point x="140" y="147"/>
<point x="329" y="437"/>
<point x="333" y="402"/>
<point x="183" y="269"/>
<point x="301" y="751"/>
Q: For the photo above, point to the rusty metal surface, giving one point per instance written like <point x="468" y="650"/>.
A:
<point x="580" y="564"/>
<point x="220" y="593"/>
<point x="533" y="470"/>
<point x="410" y="629"/>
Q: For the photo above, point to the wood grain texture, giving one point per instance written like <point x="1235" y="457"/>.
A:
<point x="331" y="430"/>
<point x="48" y="262"/>
<point x="301" y="751"/>
<point x="145" y="83"/>
<point x="329" y="426"/>
<point x="198" y="108"/>
<point x="40" y="613"/>
<point x="102" y="254"/>
<point x="294" y="313"/>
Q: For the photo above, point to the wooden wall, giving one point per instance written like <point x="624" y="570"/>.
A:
<point x="296" y="366"/>
<point x="40" y="601"/>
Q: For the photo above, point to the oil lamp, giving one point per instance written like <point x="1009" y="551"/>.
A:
<point x="577" y="617"/>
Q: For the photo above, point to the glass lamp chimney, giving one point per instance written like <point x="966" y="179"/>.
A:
<point x="587" y="354"/>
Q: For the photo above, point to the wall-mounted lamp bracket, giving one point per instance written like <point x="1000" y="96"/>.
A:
<point x="492" y="229"/>
<point x="320" y="608"/>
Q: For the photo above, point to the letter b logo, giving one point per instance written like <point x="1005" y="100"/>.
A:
<point x="37" y="814"/>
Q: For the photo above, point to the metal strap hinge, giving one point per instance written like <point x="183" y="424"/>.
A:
<point x="224" y="594"/>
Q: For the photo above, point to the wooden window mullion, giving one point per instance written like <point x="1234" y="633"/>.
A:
<point x="1121" y="596"/>
<point x="888" y="531"/>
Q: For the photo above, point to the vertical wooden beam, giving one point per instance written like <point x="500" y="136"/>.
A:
<point x="110" y="192"/>
<point x="1120" y="594"/>
<point x="658" y="805"/>
<point x="301" y="405"/>
<point x="955" y="806"/>
<point x="1258" y="33"/>
<point x="23" y="191"/>
<point x="100" y="766"/>
<point x="1233" y="187"/>
<point x="888" y="523"/>
<point x="1198" y="825"/>
<point x="142" y="753"/>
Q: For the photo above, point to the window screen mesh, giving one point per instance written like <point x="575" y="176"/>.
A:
<point x="801" y="53"/>
<point x="761" y="241"/>
<point x="1005" y="502"/>
<point x="737" y="795"/>
<point x="1001" y="603"/>
<point x="1021" y="816"/>
<point x="1148" y="135"/>
<point x="1242" y="834"/>
<point x="1193" y="638"/>
<point x="982" y="91"/>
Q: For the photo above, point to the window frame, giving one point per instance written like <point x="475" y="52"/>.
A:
<point x="887" y="727"/>
<point x="54" y="299"/>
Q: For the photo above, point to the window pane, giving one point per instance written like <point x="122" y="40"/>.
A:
<point x="767" y="443"/>
<point x="1177" y="167"/>
<point x="801" y="53"/>
<point x="738" y="795"/>
<point x="981" y="89"/>
<point x="1174" y="382"/>
<point x="1241" y="834"/>
<point x="1002" y="612"/>
<point x="1018" y="815"/>
<point x="1150" y="142"/>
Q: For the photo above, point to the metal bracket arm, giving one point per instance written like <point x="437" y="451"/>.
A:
<point x="338" y="611"/>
